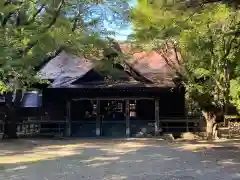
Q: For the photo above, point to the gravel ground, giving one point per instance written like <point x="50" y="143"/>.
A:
<point x="116" y="160"/>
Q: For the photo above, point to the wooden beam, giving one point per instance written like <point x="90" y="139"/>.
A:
<point x="98" y="130"/>
<point x="68" y="118"/>
<point x="127" y="118"/>
<point x="157" y="117"/>
<point x="114" y="98"/>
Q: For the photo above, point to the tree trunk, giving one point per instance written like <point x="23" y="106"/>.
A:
<point x="10" y="130"/>
<point x="211" y="125"/>
<point x="11" y="115"/>
<point x="210" y="130"/>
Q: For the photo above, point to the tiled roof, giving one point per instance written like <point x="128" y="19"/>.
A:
<point x="67" y="68"/>
<point x="152" y="65"/>
<point x="65" y="64"/>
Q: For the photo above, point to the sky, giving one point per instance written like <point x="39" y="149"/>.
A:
<point x="123" y="32"/>
<point x="108" y="21"/>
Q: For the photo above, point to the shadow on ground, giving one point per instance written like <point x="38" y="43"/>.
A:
<point x="225" y="152"/>
<point x="29" y="151"/>
<point x="118" y="159"/>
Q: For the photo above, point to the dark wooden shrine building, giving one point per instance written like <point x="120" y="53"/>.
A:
<point x="146" y="91"/>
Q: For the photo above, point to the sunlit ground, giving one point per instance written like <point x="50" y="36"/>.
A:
<point x="197" y="147"/>
<point x="11" y="153"/>
<point x="119" y="159"/>
<point x="36" y="150"/>
<point x="200" y="145"/>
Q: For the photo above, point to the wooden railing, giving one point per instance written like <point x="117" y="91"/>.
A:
<point x="231" y="126"/>
<point x="37" y="126"/>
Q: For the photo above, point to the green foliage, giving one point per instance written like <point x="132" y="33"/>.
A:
<point x="30" y="30"/>
<point x="235" y="92"/>
<point x="201" y="33"/>
<point x="3" y="87"/>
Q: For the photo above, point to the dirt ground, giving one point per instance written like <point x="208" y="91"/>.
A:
<point x="118" y="159"/>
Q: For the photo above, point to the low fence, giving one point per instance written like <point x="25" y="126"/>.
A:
<point x="36" y="127"/>
<point x="41" y="127"/>
<point x="188" y="124"/>
<point x="230" y="127"/>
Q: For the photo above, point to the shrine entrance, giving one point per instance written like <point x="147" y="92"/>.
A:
<point x="108" y="117"/>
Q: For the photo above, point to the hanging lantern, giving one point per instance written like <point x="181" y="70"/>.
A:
<point x="32" y="99"/>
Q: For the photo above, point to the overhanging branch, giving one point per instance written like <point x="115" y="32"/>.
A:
<point x="35" y="15"/>
<point x="52" y="22"/>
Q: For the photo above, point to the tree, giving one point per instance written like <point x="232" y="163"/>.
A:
<point x="201" y="34"/>
<point x="32" y="30"/>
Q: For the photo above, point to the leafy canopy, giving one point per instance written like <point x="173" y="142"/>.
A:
<point x="203" y="36"/>
<point x="32" y="30"/>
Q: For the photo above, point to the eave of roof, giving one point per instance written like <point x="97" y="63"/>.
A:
<point x="65" y="65"/>
<point x="152" y="65"/>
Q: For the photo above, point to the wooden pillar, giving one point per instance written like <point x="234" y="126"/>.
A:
<point x="127" y="119"/>
<point x="98" y="130"/>
<point x="156" y="117"/>
<point x="68" y="118"/>
<point x="187" y="123"/>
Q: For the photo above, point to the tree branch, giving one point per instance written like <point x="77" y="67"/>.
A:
<point x="229" y="48"/>
<point x="9" y="15"/>
<point x="176" y="54"/>
<point x="168" y="62"/>
<point x="211" y="49"/>
<point x="54" y="19"/>
<point x="74" y="23"/>
<point x="35" y="15"/>
<point x="6" y="18"/>
<point x="8" y="2"/>
<point x="213" y="1"/>
<point x="52" y="22"/>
